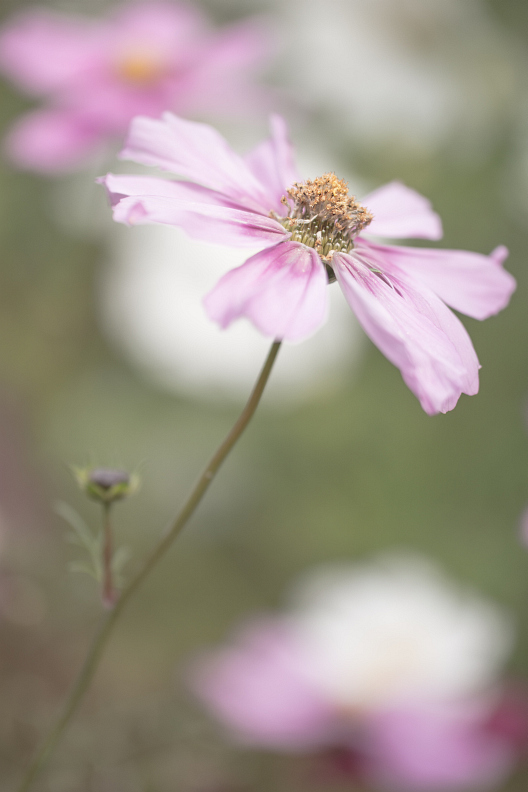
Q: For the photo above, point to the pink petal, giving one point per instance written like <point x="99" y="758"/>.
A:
<point x="508" y="719"/>
<point x="282" y="290"/>
<point x="400" y="212"/>
<point x="109" y="102"/>
<point x="222" y="74"/>
<point x="125" y="185"/>
<point x="242" y="45"/>
<point x="207" y="221"/>
<point x="168" y="25"/>
<point x="435" y="749"/>
<point x="198" y="152"/>
<point x="259" y="689"/>
<point x="413" y="329"/>
<point x="471" y="283"/>
<point x="50" y="141"/>
<point x="43" y="51"/>
<point x="273" y="162"/>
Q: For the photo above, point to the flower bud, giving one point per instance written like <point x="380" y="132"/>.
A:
<point x="106" y="484"/>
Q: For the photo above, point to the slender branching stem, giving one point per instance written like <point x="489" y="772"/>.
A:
<point x="108" y="622"/>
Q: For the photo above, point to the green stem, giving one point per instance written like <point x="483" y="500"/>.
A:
<point x="109" y="592"/>
<point x="106" y="627"/>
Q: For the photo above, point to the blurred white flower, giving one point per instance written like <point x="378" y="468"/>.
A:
<point x="398" y="630"/>
<point x="151" y="307"/>
<point x="417" y="72"/>
<point x="387" y="661"/>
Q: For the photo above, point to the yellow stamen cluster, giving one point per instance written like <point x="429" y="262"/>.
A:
<point x="140" y="67"/>
<point x="324" y="216"/>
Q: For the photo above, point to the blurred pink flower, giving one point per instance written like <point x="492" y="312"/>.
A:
<point x="96" y="75"/>
<point x="435" y="748"/>
<point x="386" y="668"/>
<point x="311" y="233"/>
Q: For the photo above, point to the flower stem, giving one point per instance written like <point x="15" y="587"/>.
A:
<point x="108" y="622"/>
<point x="109" y="593"/>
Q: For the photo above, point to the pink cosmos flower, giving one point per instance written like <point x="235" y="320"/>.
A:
<point x="385" y="667"/>
<point x="96" y="75"/>
<point x="312" y="233"/>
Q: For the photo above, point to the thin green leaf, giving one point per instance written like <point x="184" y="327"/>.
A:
<point x="83" y="538"/>
<point x="76" y="522"/>
<point x="78" y="566"/>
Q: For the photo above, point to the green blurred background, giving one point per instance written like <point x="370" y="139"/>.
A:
<point x="343" y="475"/>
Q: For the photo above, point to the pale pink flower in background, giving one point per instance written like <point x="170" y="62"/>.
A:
<point x="312" y="233"/>
<point x="388" y="662"/>
<point x="97" y="74"/>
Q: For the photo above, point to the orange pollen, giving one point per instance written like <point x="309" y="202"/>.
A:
<point x="327" y="198"/>
<point x="322" y="215"/>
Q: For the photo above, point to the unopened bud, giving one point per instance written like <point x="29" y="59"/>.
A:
<point x="106" y="484"/>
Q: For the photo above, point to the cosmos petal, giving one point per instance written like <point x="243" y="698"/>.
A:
<point x="50" y="141"/>
<point x="437" y="747"/>
<point x="211" y="223"/>
<point x="472" y="283"/>
<point x="167" y="25"/>
<point x="125" y="185"/>
<point x="198" y="152"/>
<point x="401" y="213"/>
<point x="258" y="688"/>
<point x="282" y="290"/>
<point x="44" y="52"/>
<point x="273" y="163"/>
<point x="219" y="81"/>
<point x="414" y="330"/>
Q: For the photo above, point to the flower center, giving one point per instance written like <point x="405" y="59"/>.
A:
<point x="322" y="215"/>
<point x="140" y="67"/>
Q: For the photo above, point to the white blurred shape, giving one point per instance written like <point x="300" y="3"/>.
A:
<point x="414" y="71"/>
<point x="151" y="307"/>
<point x="397" y="630"/>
